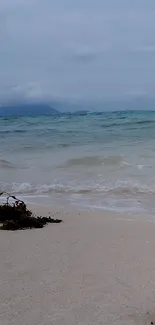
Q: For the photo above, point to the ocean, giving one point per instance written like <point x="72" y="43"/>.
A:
<point x="91" y="161"/>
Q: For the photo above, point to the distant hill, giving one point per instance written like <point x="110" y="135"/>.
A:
<point x="81" y="113"/>
<point x="28" y="110"/>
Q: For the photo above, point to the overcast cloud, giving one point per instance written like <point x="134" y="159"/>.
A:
<point x="68" y="49"/>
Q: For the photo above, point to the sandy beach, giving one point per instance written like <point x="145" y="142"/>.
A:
<point x="94" y="268"/>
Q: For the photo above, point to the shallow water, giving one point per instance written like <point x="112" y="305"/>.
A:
<point x="104" y="161"/>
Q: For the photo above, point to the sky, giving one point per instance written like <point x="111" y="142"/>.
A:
<point x="76" y="49"/>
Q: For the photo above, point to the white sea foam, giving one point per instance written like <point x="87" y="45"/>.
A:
<point x="114" y="188"/>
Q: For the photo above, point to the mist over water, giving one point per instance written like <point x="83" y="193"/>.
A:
<point x="104" y="160"/>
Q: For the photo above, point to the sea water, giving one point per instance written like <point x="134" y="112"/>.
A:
<point x="91" y="160"/>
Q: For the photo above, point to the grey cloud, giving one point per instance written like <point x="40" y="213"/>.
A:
<point x="76" y="49"/>
<point x="83" y="54"/>
<point x="145" y="49"/>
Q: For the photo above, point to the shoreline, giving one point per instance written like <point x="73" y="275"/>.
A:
<point x="94" y="268"/>
<point x="143" y="206"/>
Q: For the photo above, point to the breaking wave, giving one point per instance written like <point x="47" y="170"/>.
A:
<point x="93" y="161"/>
<point x="7" y="164"/>
<point x="119" y="188"/>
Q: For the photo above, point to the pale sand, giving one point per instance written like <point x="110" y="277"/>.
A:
<point x="94" y="268"/>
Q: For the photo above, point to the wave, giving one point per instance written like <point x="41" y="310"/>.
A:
<point x="7" y="164"/>
<point x="27" y="188"/>
<point x="12" y="131"/>
<point x="93" y="161"/>
<point x="119" y="188"/>
<point x="64" y="145"/>
<point x="131" y="124"/>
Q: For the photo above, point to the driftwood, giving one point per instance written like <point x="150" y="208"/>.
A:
<point x="16" y="216"/>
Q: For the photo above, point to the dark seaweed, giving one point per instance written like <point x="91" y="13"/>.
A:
<point x="17" y="216"/>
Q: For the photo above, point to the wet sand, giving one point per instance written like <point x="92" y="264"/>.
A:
<point x="94" y="268"/>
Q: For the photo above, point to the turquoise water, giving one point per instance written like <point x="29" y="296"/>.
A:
<point x="104" y="160"/>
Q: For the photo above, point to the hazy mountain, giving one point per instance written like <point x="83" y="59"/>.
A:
<point x="78" y="107"/>
<point x="105" y="105"/>
<point x="27" y="109"/>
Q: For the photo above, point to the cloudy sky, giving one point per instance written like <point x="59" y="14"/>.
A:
<point x="76" y="49"/>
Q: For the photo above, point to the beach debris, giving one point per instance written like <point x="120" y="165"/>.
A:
<point x="16" y="216"/>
